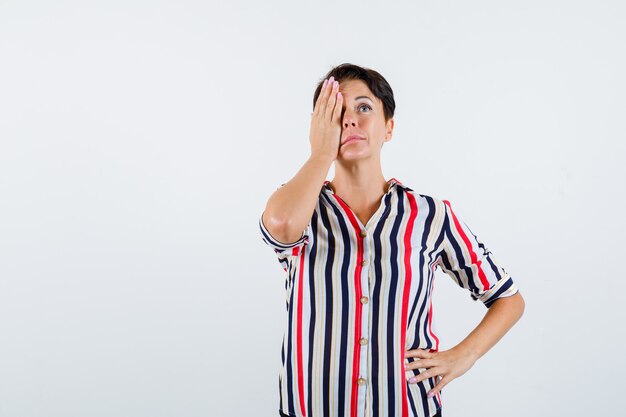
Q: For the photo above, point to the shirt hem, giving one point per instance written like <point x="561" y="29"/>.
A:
<point x="438" y="411"/>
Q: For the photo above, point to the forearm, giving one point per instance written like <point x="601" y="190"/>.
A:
<point x="498" y="320"/>
<point x="289" y="209"/>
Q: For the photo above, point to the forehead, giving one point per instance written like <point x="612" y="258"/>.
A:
<point x="353" y="89"/>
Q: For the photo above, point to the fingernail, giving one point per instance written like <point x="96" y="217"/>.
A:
<point x="331" y="78"/>
<point x="431" y="394"/>
<point x="412" y="380"/>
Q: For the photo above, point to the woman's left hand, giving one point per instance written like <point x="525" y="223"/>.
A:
<point x="449" y="364"/>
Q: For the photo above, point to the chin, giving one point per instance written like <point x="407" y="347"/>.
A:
<point x="354" y="155"/>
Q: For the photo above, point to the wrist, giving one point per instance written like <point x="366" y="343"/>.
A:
<point x="468" y="351"/>
<point x="321" y="158"/>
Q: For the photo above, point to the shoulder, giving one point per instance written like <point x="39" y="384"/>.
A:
<point x="433" y="201"/>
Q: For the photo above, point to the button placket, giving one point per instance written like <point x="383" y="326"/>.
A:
<point x="365" y="324"/>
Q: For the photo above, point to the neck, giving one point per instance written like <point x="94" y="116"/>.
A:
<point x="359" y="183"/>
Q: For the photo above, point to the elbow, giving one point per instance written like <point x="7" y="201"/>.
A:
<point x="518" y="303"/>
<point x="519" y="300"/>
<point x="279" y="228"/>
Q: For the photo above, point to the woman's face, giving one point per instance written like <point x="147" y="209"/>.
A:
<point x="362" y="115"/>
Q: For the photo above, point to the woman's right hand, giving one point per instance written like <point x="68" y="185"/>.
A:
<point x="325" y="133"/>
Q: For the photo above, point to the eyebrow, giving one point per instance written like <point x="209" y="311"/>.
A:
<point x="356" y="98"/>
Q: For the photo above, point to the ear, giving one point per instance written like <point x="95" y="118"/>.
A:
<point x="389" y="128"/>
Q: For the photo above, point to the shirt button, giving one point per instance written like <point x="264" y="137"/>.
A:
<point x="364" y="300"/>
<point x="364" y="262"/>
<point x="363" y="341"/>
<point x="363" y="233"/>
<point x="361" y="381"/>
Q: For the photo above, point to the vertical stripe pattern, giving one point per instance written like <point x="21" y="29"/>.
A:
<point x="358" y="296"/>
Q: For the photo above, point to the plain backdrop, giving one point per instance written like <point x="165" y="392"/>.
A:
<point x="140" y="141"/>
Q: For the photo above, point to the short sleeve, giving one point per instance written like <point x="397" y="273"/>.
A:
<point x="468" y="261"/>
<point x="284" y="251"/>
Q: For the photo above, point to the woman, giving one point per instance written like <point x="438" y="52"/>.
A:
<point x="360" y="254"/>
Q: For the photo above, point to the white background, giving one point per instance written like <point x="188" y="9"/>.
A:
<point x="139" y="142"/>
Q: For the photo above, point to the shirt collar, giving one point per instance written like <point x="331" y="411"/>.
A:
<point x="392" y="182"/>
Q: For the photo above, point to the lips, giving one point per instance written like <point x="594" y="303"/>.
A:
<point x="352" y="138"/>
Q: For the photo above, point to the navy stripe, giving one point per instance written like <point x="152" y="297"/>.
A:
<point x="465" y="264"/>
<point x="392" y="360"/>
<point x="448" y="266"/>
<point x="290" y="393"/>
<point x="374" y="299"/>
<point x="497" y="294"/>
<point x="411" y="402"/>
<point x="328" y="329"/>
<point x="424" y="392"/>
<point x="345" y="305"/>
<point x="312" y="260"/>
<point x="492" y="265"/>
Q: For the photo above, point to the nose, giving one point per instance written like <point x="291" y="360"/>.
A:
<point x="348" y="120"/>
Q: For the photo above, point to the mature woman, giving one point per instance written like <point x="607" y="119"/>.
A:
<point x="360" y="254"/>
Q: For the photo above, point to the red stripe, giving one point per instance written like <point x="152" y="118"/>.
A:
<point x="299" y="325"/>
<point x="474" y="258"/>
<point x="358" y="313"/>
<point x="405" y="294"/>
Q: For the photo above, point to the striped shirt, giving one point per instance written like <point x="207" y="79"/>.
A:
<point x="358" y="296"/>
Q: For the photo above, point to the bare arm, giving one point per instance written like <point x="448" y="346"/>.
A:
<point x="452" y="363"/>
<point x="289" y="209"/>
<point x="498" y="320"/>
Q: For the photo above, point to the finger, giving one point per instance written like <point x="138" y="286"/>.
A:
<point x="332" y="99"/>
<point x="418" y="353"/>
<point x="437" y="388"/>
<point x="421" y="363"/>
<point x="337" y="112"/>
<point x="327" y="93"/>
<point x="424" y="375"/>
<point x="320" y="96"/>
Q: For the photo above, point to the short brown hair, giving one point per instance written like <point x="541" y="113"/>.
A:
<point x="375" y="82"/>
